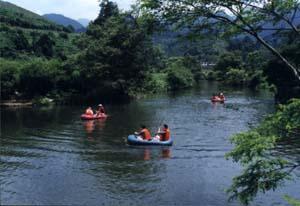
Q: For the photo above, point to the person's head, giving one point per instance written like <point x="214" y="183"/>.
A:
<point x="221" y="94"/>
<point x="143" y="126"/>
<point x="89" y="107"/>
<point x="166" y="126"/>
<point x="100" y="105"/>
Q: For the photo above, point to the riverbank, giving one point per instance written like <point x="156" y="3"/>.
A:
<point x="16" y="103"/>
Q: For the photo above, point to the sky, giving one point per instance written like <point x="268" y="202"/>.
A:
<point x="75" y="9"/>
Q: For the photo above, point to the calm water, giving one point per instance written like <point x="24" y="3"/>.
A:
<point x="50" y="157"/>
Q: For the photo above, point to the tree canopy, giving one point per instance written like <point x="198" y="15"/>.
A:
<point x="250" y="16"/>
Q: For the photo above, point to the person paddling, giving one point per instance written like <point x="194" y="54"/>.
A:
<point x="164" y="133"/>
<point x="100" y="110"/>
<point x="89" y="111"/>
<point x="221" y="96"/>
<point x="144" y="133"/>
<point x="215" y="97"/>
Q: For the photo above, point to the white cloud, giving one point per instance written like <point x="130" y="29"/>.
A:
<point x="71" y="8"/>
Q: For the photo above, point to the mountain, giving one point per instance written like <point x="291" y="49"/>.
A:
<point x="13" y="15"/>
<point x="84" y="22"/>
<point x="25" y="34"/>
<point x="65" y="21"/>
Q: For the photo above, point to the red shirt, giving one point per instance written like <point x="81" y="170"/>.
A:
<point x="146" y="134"/>
<point x="166" y="135"/>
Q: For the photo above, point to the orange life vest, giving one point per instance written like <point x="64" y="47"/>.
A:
<point x="166" y="135"/>
<point x="146" y="134"/>
<point x="222" y="97"/>
<point x="89" y="112"/>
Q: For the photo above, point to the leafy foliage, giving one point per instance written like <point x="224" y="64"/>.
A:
<point x="117" y="50"/>
<point x="178" y="74"/>
<point x="287" y="85"/>
<point x="292" y="201"/>
<point x="234" y="17"/>
<point x="254" y="150"/>
<point x="9" y="73"/>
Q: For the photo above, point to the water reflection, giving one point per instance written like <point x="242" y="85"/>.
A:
<point x="50" y="156"/>
<point x="157" y="153"/>
<point x="89" y="127"/>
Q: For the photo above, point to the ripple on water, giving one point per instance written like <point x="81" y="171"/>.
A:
<point x="50" y="159"/>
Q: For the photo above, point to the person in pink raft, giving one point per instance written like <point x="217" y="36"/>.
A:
<point x="222" y="97"/>
<point x="89" y="111"/>
<point x="101" y="110"/>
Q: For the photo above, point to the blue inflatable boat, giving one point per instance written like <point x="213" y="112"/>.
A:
<point x="133" y="140"/>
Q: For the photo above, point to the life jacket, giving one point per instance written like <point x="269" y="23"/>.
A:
<point x="89" y="112"/>
<point x="215" y="98"/>
<point x="222" y="97"/>
<point x="166" y="135"/>
<point x="146" y="134"/>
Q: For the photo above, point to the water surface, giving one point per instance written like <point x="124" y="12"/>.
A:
<point x="50" y="157"/>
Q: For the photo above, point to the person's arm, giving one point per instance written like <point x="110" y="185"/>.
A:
<point x="139" y="133"/>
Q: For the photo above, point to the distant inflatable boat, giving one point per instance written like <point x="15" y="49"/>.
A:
<point x="93" y="117"/>
<point x="133" y="140"/>
<point x="217" y="100"/>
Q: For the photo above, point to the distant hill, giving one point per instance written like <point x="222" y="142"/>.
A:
<point x="84" y="22"/>
<point x="25" y="34"/>
<point x="13" y="15"/>
<point x="65" y="21"/>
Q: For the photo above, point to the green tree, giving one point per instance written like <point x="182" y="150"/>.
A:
<point x="228" y="60"/>
<point x="107" y="10"/>
<point x="256" y="150"/>
<point x="238" y="16"/>
<point x="9" y="73"/>
<point x="39" y="77"/>
<point x="287" y="84"/>
<point x="21" y="42"/>
<point x="179" y="76"/>
<point x="116" y="50"/>
<point x="44" y="46"/>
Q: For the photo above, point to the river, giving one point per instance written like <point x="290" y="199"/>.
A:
<point x="50" y="157"/>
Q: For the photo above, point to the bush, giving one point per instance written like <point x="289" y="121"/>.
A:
<point x="227" y="61"/>
<point x="9" y="73"/>
<point x="39" y="77"/>
<point x="235" y="76"/>
<point x="156" y="82"/>
<point x="178" y="76"/>
<point x="43" y="101"/>
<point x="44" y="46"/>
<point x="210" y="75"/>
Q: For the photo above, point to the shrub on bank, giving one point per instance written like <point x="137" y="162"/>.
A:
<point x="39" y="77"/>
<point x="235" y="77"/>
<point x="156" y="82"/>
<point x="178" y="76"/>
<point x="9" y="73"/>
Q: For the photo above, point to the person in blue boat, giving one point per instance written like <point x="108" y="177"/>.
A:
<point x="144" y="133"/>
<point x="164" y="133"/>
